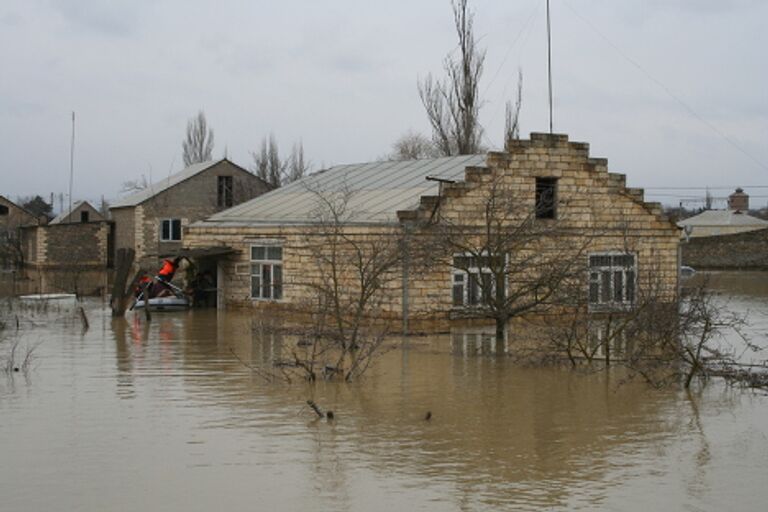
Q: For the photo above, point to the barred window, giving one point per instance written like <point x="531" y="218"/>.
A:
<point x="474" y="283"/>
<point x="612" y="279"/>
<point x="546" y="198"/>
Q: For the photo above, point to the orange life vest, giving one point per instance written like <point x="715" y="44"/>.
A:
<point x="169" y="268"/>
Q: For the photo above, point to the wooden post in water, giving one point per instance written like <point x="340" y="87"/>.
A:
<point x="122" y="268"/>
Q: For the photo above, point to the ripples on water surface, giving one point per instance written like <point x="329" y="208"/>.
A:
<point x="130" y="416"/>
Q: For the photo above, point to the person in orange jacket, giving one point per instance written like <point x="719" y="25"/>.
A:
<point x="168" y="269"/>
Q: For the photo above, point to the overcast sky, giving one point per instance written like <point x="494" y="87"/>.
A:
<point x="673" y="92"/>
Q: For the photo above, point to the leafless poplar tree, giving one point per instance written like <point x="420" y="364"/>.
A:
<point x="453" y="105"/>
<point x="298" y="167"/>
<point x="267" y="162"/>
<point x="269" y="166"/>
<point x="512" y="113"/>
<point x="198" y="144"/>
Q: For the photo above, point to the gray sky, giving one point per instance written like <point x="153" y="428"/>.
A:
<point x="672" y="92"/>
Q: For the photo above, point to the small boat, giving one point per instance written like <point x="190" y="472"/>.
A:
<point x="169" y="303"/>
<point x="52" y="298"/>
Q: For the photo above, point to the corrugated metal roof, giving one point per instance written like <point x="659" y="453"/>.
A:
<point x="164" y="184"/>
<point x="722" y="218"/>
<point x="375" y="191"/>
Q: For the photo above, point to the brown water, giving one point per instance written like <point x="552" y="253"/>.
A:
<point x="130" y="416"/>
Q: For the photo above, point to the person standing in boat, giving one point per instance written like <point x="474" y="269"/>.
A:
<point x="169" y="269"/>
<point x="166" y="273"/>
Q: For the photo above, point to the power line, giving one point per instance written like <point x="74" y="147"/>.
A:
<point x="666" y="89"/>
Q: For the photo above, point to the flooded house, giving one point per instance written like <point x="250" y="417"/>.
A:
<point x="387" y="225"/>
<point x="72" y="253"/>
<point x="12" y="219"/>
<point x="152" y="221"/>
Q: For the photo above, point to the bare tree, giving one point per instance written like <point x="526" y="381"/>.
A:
<point x="349" y="283"/>
<point x="298" y="166"/>
<point x="277" y="171"/>
<point x="453" y="105"/>
<point x="413" y="146"/>
<point x="131" y="186"/>
<point x="267" y="162"/>
<point x="198" y="144"/>
<point x="511" y="261"/>
<point x="512" y="113"/>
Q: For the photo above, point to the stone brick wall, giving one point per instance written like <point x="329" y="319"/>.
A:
<point x="738" y="251"/>
<point x="73" y="245"/>
<point x="591" y="203"/>
<point x="191" y="200"/>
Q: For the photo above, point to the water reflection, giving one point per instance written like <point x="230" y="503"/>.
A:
<point x="168" y="415"/>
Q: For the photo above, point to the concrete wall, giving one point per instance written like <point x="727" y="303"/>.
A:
<point x="738" y="251"/>
<point x="591" y="203"/>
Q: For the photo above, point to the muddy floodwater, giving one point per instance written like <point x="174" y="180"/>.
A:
<point x="164" y="417"/>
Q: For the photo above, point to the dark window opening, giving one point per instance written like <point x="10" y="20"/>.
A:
<point x="546" y="198"/>
<point x="83" y="216"/>
<point x="3" y="209"/>
<point x="225" y="192"/>
<point x="170" y="230"/>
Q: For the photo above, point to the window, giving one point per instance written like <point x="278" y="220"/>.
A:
<point x="3" y="209"/>
<point x="473" y="279"/>
<point x="224" y="195"/>
<point x="83" y="216"/>
<point x="612" y="279"/>
<point x="546" y="198"/>
<point x="266" y="272"/>
<point x="170" y="230"/>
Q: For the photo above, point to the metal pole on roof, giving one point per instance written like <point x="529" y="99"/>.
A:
<point x="71" y="165"/>
<point x="549" y="65"/>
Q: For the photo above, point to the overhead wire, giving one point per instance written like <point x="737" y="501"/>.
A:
<point x="666" y="89"/>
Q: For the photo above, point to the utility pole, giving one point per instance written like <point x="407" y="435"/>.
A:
<point x="71" y="164"/>
<point x="549" y="65"/>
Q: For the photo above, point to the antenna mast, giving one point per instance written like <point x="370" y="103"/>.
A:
<point x="71" y="165"/>
<point x="549" y="66"/>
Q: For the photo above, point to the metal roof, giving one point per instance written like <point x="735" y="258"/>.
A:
<point x="375" y="192"/>
<point x="164" y="184"/>
<point x="722" y="218"/>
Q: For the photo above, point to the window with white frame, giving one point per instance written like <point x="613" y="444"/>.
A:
<point x="170" y="230"/>
<point x="612" y="278"/>
<point x="266" y="272"/>
<point x="474" y="283"/>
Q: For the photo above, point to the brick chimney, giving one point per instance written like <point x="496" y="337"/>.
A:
<point x="738" y="201"/>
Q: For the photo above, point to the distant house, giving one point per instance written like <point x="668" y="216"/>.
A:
<point x="152" y="221"/>
<point x="733" y="220"/>
<point x="270" y="246"/>
<point x="82" y="211"/>
<point x="12" y="218"/>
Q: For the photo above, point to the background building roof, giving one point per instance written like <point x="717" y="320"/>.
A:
<point x="722" y="218"/>
<point x="375" y="192"/>
<point x="164" y="184"/>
